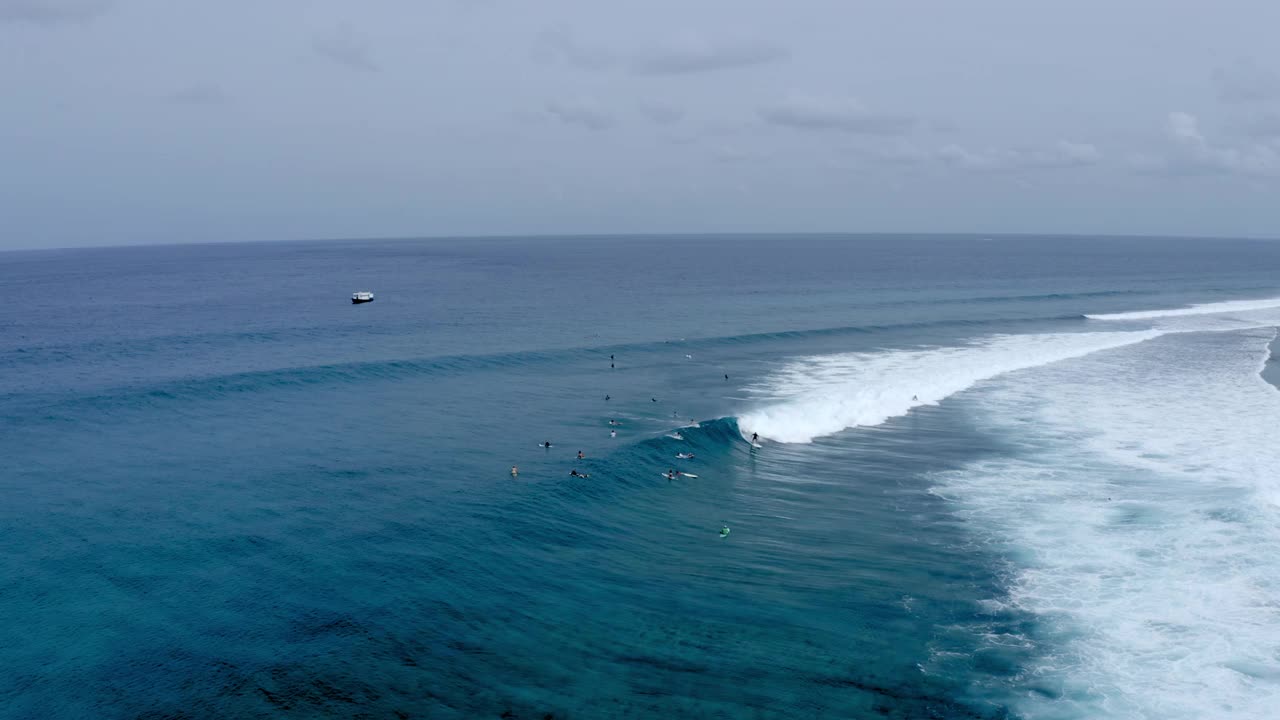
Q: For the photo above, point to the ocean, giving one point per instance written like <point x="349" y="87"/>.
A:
<point x="1006" y="477"/>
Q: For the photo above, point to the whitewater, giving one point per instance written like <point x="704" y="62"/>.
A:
<point x="822" y="395"/>
<point x="1137" y="512"/>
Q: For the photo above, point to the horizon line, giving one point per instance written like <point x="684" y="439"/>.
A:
<point x="625" y="235"/>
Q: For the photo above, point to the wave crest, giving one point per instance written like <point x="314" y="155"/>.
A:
<point x="818" y="396"/>
<point x="1201" y="309"/>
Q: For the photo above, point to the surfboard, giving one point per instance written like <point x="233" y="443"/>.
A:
<point x="756" y="445"/>
<point x="724" y="532"/>
<point x="688" y="475"/>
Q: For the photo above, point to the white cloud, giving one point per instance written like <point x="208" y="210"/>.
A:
<point x="662" y="114"/>
<point x="560" y="45"/>
<point x="1191" y="152"/>
<point x="1183" y="129"/>
<point x="808" y="112"/>
<point x="686" y="54"/>
<point x="736" y="155"/>
<point x="584" y="113"/>
<point x="345" y="47"/>
<point x="201" y="94"/>
<point x="694" y="54"/>
<point x="1061" y="155"/>
<point x="51" y="12"/>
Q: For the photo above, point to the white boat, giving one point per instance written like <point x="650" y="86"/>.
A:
<point x="363" y="296"/>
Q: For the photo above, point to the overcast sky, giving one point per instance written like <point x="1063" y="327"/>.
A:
<point x="146" y="121"/>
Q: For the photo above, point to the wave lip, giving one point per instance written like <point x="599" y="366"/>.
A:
<point x="1201" y="309"/>
<point x="819" y="396"/>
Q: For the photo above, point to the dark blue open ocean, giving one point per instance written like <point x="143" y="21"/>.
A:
<point x="1008" y="477"/>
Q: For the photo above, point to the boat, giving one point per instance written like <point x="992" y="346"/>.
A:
<point x="363" y="296"/>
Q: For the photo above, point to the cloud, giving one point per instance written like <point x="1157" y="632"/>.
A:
<point x="52" y="12"/>
<point x="560" y="45"/>
<point x="345" y="47"/>
<point x="1191" y="153"/>
<point x="736" y="155"/>
<point x="1060" y="155"/>
<point x="694" y="54"/>
<point x="662" y="114"/>
<point x="584" y="113"/>
<point x="1063" y="154"/>
<point x="691" y="53"/>
<point x="805" y="112"/>
<point x="1246" y="82"/>
<point x="202" y="94"/>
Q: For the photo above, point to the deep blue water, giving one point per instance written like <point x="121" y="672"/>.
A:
<point x="228" y="492"/>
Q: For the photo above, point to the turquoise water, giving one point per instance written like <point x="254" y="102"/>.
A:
<point x="231" y="493"/>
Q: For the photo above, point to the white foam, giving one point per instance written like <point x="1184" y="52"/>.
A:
<point x="1202" y="309"/>
<point x="1143" y="520"/>
<point x="818" y="396"/>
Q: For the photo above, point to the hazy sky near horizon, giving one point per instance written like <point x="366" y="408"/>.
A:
<point x="148" y="121"/>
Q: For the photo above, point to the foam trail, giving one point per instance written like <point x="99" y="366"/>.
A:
<point x="823" y="395"/>
<point x="1202" y="309"/>
<point x="1142" y="521"/>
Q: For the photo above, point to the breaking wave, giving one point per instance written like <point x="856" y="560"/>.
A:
<point x="1201" y="309"/>
<point x="819" y="396"/>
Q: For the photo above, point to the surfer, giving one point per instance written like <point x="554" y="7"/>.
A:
<point x="684" y="456"/>
<point x="676" y="436"/>
<point x="606" y="397"/>
<point x="724" y="531"/>
<point x="671" y="474"/>
<point x="726" y="376"/>
<point x="653" y="399"/>
<point x="755" y="438"/>
<point x="547" y="444"/>
<point x="514" y="471"/>
<point x="915" y="398"/>
<point x="613" y="433"/>
<point x="575" y="473"/>
<point x="580" y="455"/>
